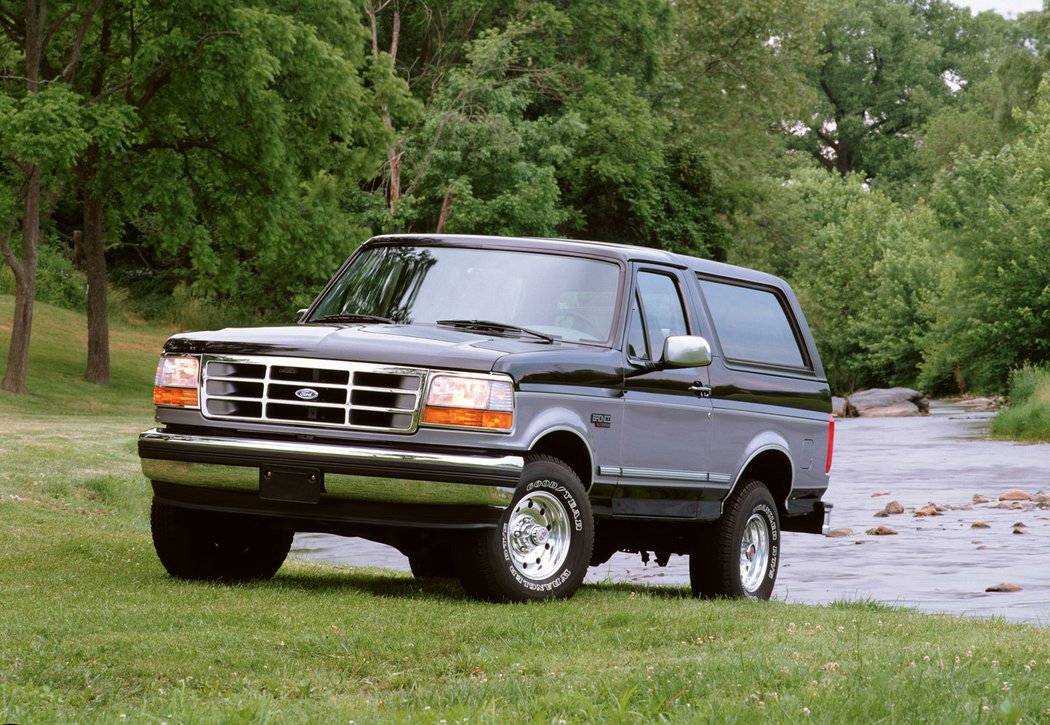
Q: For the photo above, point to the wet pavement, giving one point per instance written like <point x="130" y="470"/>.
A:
<point x="935" y="563"/>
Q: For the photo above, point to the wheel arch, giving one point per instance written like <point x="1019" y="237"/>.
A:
<point x="771" y="464"/>
<point x="568" y="446"/>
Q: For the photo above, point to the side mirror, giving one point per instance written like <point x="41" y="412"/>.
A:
<point x="686" y="351"/>
<point x="300" y="314"/>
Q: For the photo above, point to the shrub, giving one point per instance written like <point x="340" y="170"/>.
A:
<point x="1028" y="415"/>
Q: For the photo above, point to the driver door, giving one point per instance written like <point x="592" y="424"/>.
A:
<point x="667" y="413"/>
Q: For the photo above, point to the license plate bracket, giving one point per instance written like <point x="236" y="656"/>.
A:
<point x="296" y="485"/>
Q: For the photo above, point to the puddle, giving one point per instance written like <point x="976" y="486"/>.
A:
<point x="935" y="564"/>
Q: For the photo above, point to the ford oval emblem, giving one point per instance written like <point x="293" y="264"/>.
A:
<point x="306" y="393"/>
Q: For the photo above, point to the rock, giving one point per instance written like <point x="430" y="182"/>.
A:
<point x="1015" y="494"/>
<point x="1041" y="497"/>
<point x="839" y="533"/>
<point x="880" y="493"/>
<point x="881" y="514"/>
<point x="983" y="405"/>
<point x="929" y="509"/>
<point x="978" y="498"/>
<point x="893" y="507"/>
<point x="1004" y="587"/>
<point x="1019" y="524"/>
<point x="1018" y="531"/>
<point x="881" y="531"/>
<point x="976" y="541"/>
<point x="887" y="402"/>
<point x="838" y="407"/>
<point x="980" y="525"/>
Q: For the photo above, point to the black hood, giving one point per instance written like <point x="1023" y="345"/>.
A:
<point x="410" y="345"/>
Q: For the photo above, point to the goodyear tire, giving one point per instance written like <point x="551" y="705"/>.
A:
<point x="739" y="555"/>
<point x="216" y="547"/>
<point x="542" y="545"/>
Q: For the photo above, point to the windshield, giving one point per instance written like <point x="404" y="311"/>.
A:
<point x="565" y="297"/>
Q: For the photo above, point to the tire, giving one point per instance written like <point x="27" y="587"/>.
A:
<point x="739" y="554"/>
<point x="542" y="544"/>
<point x="211" y="546"/>
<point x="433" y="565"/>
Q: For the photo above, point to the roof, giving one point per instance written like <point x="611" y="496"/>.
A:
<point x="622" y="252"/>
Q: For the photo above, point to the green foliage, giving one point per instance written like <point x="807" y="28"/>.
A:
<point x="46" y="128"/>
<point x="996" y="214"/>
<point x="885" y="71"/>
<point x="1027" y="417"/>
<point x="479" y="152"/>
<point x="59" y="283"/>
<point x="860" y="265"/>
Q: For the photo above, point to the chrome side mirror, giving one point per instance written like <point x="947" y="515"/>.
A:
<point x="686" y="351"/>
<point x="301" y="314"/>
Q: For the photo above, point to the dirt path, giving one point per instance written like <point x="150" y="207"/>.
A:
<point x="936" y="563"/>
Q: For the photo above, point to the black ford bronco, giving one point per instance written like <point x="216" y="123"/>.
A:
<point x="503" y="411"/>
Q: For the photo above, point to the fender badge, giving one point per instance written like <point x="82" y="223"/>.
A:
<point x="306" y="393"/>
<point x="601" y="420"/>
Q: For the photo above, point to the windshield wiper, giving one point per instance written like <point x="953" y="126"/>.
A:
<point x="351" y="317"/>
<point x="490" y="326"/>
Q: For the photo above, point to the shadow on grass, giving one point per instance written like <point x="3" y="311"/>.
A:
<point x="378" y="585"/>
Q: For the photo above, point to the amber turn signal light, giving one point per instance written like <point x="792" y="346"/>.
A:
<point x="468" y="418"/>
<point x="182" y="397"/>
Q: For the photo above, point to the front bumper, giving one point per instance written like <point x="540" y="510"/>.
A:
<point x="394" y="481"/>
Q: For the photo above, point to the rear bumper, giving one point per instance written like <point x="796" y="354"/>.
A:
<point x="363" y="484"/>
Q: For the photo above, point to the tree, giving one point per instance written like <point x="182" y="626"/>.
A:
<point x="249" y="122"/>
<point x="42" y="130"/>
<point x="888" y="67"/>
<point x="995" y="212"/>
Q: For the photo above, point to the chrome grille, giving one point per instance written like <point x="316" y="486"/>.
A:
<point x="301" y="391"/>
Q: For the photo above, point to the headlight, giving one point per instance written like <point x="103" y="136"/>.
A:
<point x="176" y="382"/>
<point x="470" y="402"/>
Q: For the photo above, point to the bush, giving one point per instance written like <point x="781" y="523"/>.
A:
<point x="1028" y="415"/>
<point x="58" y="282"/>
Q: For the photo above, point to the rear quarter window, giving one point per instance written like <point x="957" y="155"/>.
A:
<point x="752" y="325"/>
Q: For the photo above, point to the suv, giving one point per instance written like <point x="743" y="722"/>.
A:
<point x="503" y="411"/>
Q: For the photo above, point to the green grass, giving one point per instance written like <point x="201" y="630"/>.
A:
<point x="1027" y="417"/>
<point x="93" y="630"/>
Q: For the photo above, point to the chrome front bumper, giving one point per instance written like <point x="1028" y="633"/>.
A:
<point x="351" y="473"/>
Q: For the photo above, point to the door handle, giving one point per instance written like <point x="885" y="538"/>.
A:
<point x="700" y="390"/>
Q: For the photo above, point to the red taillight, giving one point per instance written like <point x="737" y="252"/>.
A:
<point x="831" y="442"/>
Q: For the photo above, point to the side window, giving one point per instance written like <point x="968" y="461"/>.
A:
<point x="656" y="314"/>
<point x="752" y="325"/>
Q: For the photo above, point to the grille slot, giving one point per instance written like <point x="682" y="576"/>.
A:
<point x="322" y="393"/>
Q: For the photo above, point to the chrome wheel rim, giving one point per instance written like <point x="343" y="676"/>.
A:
<point x="538" y="536"/>
<point x="754" y="552"/>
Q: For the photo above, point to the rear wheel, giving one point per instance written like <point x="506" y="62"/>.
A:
<point x="739" y="554"/>
<point x="214" y="546"/>
<point x="542" y="545"/>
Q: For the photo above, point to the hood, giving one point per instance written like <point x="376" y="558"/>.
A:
<point x="409" y="345"/>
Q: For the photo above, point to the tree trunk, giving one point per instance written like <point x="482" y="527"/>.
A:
<point x="95" y="256"/>
<point x="25" y="288"/>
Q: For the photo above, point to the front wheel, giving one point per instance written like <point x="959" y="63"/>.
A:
<point x="740" y="553"/>
<point x="542" y="544"/>
<point x="214" y="546"/>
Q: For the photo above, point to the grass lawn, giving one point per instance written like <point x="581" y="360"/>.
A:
<point x="92" y="628"/>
